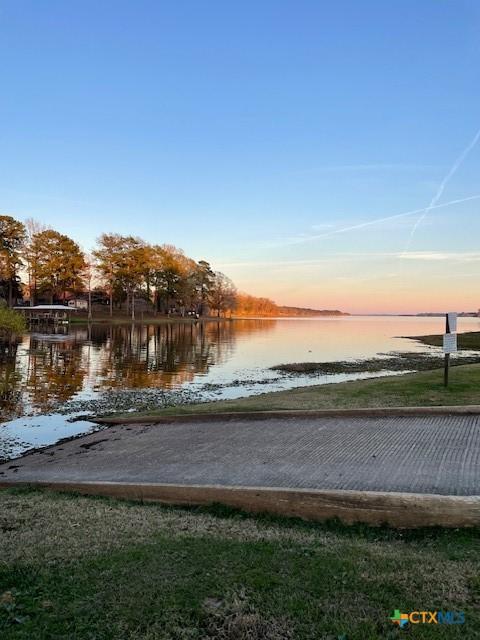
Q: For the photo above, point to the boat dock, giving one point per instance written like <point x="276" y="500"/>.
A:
<point x="44" y="315"/>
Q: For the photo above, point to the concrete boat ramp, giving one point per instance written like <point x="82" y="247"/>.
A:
<point x="405" y="470"/>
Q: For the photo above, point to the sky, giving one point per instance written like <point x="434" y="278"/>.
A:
<point x="321" y="153"/>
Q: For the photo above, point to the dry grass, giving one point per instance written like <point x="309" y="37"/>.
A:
<point x="235" y="618"/>
<point x="176" y="574"/>
<point x="39" y="527"/>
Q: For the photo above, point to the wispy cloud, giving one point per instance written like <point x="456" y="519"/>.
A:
<point x="365" y="167"/>
<point x="433" y="203"/>
<point x="301" y="239"/>
<point x="439" y="256"/>
<point x="272" y="263"/>
<point x="422" y="256"/>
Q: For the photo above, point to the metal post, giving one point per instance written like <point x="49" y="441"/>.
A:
<point x="449" y="341"/>
<point x="447" y="364"/>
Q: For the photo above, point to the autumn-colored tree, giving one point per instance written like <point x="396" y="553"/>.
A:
<point x="59" y="264"/>
<point x="128" y="267"/>
<point x="12" y="239"/>
<point x="109" y="257"/>
<point x="172" y="278"/>
<point x="162" y="274"/>
<point x="248" y="305"/>
<point x="223" y="294"/>
<point x="133" y="267"/>
<point x="204" y="278"/>
<point x="125" y="265"/>
<point x="187" y="292"/>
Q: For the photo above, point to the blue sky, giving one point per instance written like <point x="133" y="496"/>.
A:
<point x="252" y="134"/>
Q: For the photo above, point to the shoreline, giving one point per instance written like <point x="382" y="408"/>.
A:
<point x="144" y="320"/>
<point x="393" y="360"/>
<point x="391" y="384"/>
<point x="160" y="319"/>
<point x="419" y="389"/>
<point x="327" y="396"/>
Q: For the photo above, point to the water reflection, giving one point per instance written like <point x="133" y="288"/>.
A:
<point x="45" y="370"/>
<point x="227" y="359"/>
<point x="10" y="382"/>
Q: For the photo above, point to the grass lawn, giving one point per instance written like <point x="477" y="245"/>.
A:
<point x="415" y="389"/>
<point x="466" y="341"/>
<point x="89" y="568"/>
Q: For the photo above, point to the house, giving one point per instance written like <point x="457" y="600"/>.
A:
<point x="78" y="303"/>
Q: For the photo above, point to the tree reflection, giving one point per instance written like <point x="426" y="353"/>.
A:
<point x="167" y="355"/>
<point x="47" y="370"/>
<point x="10" y="381"/>
<point x="56" y="371"/>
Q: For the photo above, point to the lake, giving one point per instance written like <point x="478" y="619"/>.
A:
<point x="51" y="383"/>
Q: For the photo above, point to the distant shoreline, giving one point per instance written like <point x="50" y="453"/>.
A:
<point x="82" y="318"/>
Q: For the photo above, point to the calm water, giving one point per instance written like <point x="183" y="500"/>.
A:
<point x="121" y="367"/>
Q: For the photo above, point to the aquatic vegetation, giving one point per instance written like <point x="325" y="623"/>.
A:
<point x="12" y="324"/>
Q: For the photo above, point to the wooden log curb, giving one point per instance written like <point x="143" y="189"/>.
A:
<point x="401" y="510"/>
<point x="307" y="413"/>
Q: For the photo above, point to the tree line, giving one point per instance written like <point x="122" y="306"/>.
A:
<point x="39" y="264"/>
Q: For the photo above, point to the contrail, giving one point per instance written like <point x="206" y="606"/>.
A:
<point x="433" y="203"/>
<point x="369" y="223"/>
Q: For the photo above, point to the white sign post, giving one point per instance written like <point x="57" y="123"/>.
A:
<point x="451" y="323"/>
<point x="449" y="341"/>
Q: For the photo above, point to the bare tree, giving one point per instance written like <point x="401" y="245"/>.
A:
<point x="88" y="276"/>
<point x="32" y="256"/>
